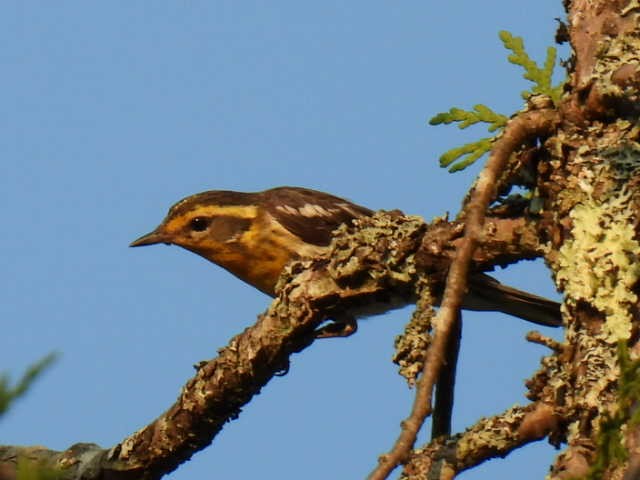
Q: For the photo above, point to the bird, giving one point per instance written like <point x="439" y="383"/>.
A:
<point x="254" y="235"/>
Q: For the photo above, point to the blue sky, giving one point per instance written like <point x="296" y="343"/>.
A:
<point x="112" y="111"/>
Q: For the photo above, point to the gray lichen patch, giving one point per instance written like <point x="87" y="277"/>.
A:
<point x="411" y="346"/>
<point x="491" y="433"/>
<point x="623" y="160"/>
<point x="380" y="246"/>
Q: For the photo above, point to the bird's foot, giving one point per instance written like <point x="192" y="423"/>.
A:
<point x="342" y="326"/>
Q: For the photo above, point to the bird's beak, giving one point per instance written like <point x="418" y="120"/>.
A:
<point x="152" y="238"/>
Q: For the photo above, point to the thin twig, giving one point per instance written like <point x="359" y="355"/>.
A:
<point x="550" y="343"/>
<point x="520" y="128"/>
<point x="443" y="408"/>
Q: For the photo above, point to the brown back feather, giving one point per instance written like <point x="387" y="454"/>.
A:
<point x="309" y="214"/>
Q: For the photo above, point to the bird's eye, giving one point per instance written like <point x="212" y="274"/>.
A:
<point x="199" y="224"/>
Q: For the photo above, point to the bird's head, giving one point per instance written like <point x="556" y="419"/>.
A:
<point x="254" y="235"/>
<point x="204" y="223"/>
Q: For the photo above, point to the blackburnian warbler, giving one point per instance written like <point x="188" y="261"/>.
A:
<point x="254" y="235"/>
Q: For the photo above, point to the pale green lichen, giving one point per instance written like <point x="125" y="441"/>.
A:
<point x="599" y="264"/>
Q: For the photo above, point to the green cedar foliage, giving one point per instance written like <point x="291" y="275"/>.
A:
<point x="459" y="158"/>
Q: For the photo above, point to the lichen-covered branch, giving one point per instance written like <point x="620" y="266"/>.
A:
<point x="489" y="438"/>
<point x="372" y="267"/>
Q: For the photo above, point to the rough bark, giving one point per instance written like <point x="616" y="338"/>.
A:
<point x="587" y="180"/>
<point x="587" y="175"/>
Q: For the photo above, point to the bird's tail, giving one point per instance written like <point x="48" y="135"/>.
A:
<point x="488" y="294"/>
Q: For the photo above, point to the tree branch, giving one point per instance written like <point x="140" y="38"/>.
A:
<point x="489" y="438"/>
<point x="361" y="274"/>
<point x="445" y="388"/>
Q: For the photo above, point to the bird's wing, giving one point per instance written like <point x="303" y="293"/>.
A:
<point x="309" y="214"/>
